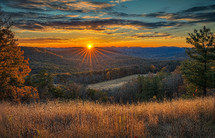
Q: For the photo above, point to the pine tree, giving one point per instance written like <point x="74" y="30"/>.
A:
<point x="199" y="69"/>
<point x="13" y="67"/>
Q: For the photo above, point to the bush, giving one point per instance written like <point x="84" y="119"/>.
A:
<point x="96" y="95"/>
<point x="127" y="93"/>
<point x="73" y="90"/>
<point x="150" y="86"/>
<point x="24" y="94"/>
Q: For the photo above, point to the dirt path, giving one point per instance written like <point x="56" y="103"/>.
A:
<point x="113" y="83"/>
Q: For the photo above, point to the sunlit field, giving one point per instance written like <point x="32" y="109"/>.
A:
<point x="179" y="118"/>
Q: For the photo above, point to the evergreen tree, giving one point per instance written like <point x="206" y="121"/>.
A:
<point x="13" y="67"/>
<point x="199" y="69"/>
<point x="44" y="83"/>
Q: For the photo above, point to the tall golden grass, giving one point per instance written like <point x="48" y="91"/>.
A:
<point x="179" y="118"/>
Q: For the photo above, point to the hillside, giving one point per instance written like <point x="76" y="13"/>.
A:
<point x="77" y="59"/>
<point x="43" y="59"/>
<point x="67" y="60"/>
<point x="157" y="53"/>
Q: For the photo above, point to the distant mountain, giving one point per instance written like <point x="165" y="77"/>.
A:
<point x="71" y="60"/>
<point x="78" y="59"/>
<point x="158" y="53"/>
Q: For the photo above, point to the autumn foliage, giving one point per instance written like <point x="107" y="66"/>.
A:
<point x="13" y="67"/>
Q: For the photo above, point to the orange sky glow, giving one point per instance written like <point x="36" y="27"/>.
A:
<point x="107" y="23"/>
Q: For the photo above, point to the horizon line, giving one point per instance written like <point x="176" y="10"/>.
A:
<point x="107" y="47"/>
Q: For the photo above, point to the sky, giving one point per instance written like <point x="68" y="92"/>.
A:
<point x="120" y="23"/>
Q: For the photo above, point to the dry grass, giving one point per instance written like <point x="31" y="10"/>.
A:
<point x="181" y="118"/>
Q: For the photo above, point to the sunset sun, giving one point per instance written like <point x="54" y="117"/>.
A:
<point x="89" y="46"/>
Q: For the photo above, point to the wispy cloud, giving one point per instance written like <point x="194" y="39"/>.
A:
<point x="86" y="6"/>
<point x="122" y="14"/>
<point x="96" y="24"/>
<point x="192" y="15"/>
<point x="62" y="5"/>
<point x="42" y="40"/>
<point x="120" y="1"/>
<point x="72" y="16"/>
<point x="151" y="35"/>
<point x="200" y="8"/>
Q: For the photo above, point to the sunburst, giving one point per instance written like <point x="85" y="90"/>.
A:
<point x="93" y="57"/>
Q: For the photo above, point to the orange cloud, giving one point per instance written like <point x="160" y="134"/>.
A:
<point x="90" y="17"/>
<point x="89" y="6"/>
<point x="72" y="15"/>
<point x="42" y="40"/>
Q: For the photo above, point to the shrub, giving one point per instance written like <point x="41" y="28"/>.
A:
<point x="22" y="94"/>
<point x="96" y="95"/>
<point x="150" y="86"/>
<point x="73" y="90"/>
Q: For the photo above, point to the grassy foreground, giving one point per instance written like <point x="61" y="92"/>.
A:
<point x="180" y="118"/>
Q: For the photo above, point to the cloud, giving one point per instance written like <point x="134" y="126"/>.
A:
<point x="86" y="6"/>
<point x="151" y="35"/>
<point x="120" y="1"/>
<point x="194" y="14"/>
<point x="200" y="8"/>
<point x="46" y="15"/>
<point x="122" y="14"/>
<point x="62" y="5"/>
<point x="27" y="4"/>
<point x="72" y="16"/>
<point x="91" y="17"/>
<point x="94" y="24"/>
<point x="191" y="15"/>
<point x="42" y="40"/>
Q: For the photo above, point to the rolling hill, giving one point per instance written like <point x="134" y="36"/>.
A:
<point x="157" y="53"/>
<point x="77" y="59"/>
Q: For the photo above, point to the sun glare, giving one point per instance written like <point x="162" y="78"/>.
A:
<point x="89" y="46"/>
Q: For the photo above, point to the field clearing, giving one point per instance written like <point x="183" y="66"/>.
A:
<point x="179" y="118"/>
<point x="116" y="83"/>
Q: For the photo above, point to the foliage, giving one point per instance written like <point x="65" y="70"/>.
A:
<point x="192" y="90"/>
<point x="13" y="67"/>
<point x="172" y="84"/>
<point x="24" y="94"/>
<point x="58" y="92"/>
<point x="150" y="86"/>
<point x="159" y="86"/>
<point x="199" y="69"/>
<point x="73" y="91"/>
<point x="126" y="94"/>
<point x="43" y="82"/>
<point x="96" y="95"/>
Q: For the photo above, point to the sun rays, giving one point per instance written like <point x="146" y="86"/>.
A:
<point x="92" y="58"/>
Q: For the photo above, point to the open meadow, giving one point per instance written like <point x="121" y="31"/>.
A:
<point x="178" y="118"/>
<point x="116" y="83"/>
